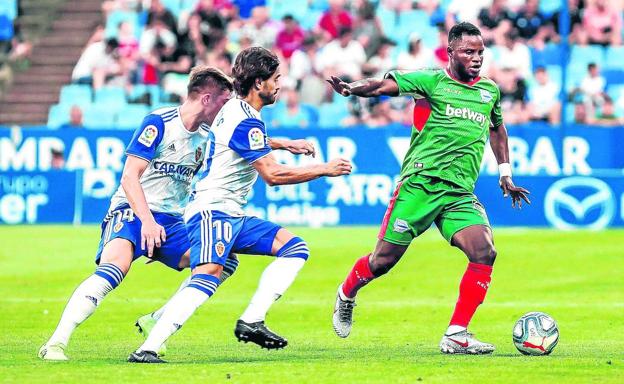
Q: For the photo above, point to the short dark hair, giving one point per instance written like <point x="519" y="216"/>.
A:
<point x="463" y="28"/>
<point x="203" y="76"/>
<point x="251" y="64"/>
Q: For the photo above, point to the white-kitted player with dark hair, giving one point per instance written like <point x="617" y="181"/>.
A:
<point x="216" y="224"/>
<point x="145" y="217"/>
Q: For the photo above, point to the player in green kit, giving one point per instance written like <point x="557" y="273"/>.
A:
<point x="455" y="110"/>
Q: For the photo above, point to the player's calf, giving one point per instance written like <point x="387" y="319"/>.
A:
<point x="83" y="302"/>
<point x="274" y="282"/>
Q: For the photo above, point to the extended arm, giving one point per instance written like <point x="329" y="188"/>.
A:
<point x="297" y="147"/>
<point x="274" y="173"/>
<point x="365" y="87"/>
<point x="500" y="147"/>
<point x="151" y="232"/>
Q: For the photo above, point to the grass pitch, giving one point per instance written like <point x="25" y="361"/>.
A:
<point x="577" y="277"/>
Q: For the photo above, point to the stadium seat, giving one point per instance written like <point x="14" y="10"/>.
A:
<point x="613" y="76"/>
<point x="331" y="115"/>
<point x="388" y="19"/>
<point x="131" y="116"/>
<point x="311" y="19"/>
<point x="549" y="7"/>
<point x="8" y="8"/>
<point x="111" y="97"/>
<point x="313" y="112"/>
<point x="6" y="28"/>
<point x="98" y="117"/>
<point x="575" y="74"/>
<point x="319" y="5"/>
<point x="280" y="8"/>
<point x="587" y="54"/>
<point x="614" y="58"/>
<point x="616" y="92"/>
<point x="116" y="17"/>
<point x="139" y="92"/>
<point x="554" y="74"/>
<point x="58" y="115"/>
<point x="76" y="94"/>
<point x="175" y="6"/>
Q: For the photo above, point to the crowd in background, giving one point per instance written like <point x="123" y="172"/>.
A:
<point x="156" y="42"/>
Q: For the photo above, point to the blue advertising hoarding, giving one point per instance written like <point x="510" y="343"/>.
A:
<point x="575" y="182"/>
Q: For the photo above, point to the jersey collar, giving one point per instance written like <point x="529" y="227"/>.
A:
<point x="473" y="82"/>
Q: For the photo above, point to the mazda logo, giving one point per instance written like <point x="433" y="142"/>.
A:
<point x="558" y="197"/>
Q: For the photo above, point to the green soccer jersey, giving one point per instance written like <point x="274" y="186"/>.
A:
<point x="450" y="145"/>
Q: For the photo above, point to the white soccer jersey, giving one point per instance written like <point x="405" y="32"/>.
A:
<point x="174" y="154"/>
<point x="237" y="139"/>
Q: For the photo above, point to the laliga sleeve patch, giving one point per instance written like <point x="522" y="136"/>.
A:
<point x="256" y="139"/>
<point x="148" y="135"/>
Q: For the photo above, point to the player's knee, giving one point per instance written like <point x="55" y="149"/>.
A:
<point x="295" y="247"/>
<point x="485" y="255"/>
<point x="111" y="273"/>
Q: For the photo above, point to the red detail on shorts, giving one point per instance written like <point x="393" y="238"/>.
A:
<point x="386" y="219"/>
<point x="422" y="110"/>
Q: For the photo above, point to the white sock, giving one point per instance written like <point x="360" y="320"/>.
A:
<point x="179" y="310"/>
<point x="275" y="280"/>
<point x="158" y="313"/>
<point x="453" y="329"/>
<point x="80" y="306"/>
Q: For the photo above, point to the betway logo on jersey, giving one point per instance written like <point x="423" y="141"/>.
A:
<point x="465" y="113"/>
<point x="180" y="172"/>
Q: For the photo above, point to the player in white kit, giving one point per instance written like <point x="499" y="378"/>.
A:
<point x="216" y="223"/>
<point x="145" y="217"/>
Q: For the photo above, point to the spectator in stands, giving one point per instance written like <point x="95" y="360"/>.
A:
<point x="57" y="160"/>
<point x="290" y="38"/>
<point x="97" y="62"/>
<point x="544" y="102"/>
<point x="578" y="35"/>
<point x="304" y="74"/>
<point x="368" y="30"/>
<point x="343" y="56"/>
<point x="513" y="92"/>
<point x="128" y="48"/>
<point x="158" y="11"/>
<point x="606" y="115"/>
<point x="381" y="114"/>
<point x="440" y="54"/>
<point x="246" y="6"/>
<point x="335" y="19"/>
<point x="528" y="21"/>
<point x="462" y="10"/>
<point x="205" y="25"/>
<point x="75" y="118"/>
<point x="603" y="23"/>
<point x="157" y="41"/>
<point x="382" y="61"/>
<point x="511" y="52"/>
<point x="291" y="114"/>
<point x="261" y="28"/>
<point x="417" y="55"/>
<point x="593" y="86"/>
<point x="580" y="113"/>
<point x="494" y="20"/>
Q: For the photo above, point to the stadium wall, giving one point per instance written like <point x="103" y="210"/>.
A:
<point x="576" y="181"/>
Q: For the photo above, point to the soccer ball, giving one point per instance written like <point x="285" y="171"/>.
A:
<point x="535" y="334"/>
